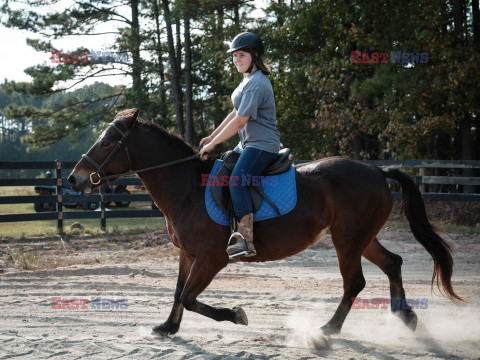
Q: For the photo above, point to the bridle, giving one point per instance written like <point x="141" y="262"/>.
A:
<point x="99" y="173"/>
<point x="100" y="168"/>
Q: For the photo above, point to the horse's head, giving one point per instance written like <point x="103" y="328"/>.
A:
<point x="108" y="156"/>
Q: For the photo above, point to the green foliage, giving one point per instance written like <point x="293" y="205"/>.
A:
<point x="47" y="118"/>
<point x="326" y="104"/>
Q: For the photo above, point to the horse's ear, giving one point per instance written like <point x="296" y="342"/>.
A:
<point x="135" y="114"/>
<point x="131" y="117"/>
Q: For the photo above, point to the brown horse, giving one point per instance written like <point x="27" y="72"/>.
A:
<point x="349" y="197"/>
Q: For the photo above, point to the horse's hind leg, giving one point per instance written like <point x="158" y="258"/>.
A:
<point x="202" y="273"/>
<point x="391" y="265"/>
<point x="353" y="282"/>
<point x="172" y="324"/>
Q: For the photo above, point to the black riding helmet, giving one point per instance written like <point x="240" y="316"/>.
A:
<point x="250" y="42"/>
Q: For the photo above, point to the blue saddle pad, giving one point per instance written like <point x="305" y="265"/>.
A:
<point x="281" y="189"/>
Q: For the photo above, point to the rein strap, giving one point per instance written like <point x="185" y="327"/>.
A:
<point x="133" y="172"/>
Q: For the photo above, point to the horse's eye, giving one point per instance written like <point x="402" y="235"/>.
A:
<point x="104" y="143"/>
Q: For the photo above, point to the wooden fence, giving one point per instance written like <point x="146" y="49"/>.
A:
<point x="58" y="180"/>
<point x="423" y="179"/>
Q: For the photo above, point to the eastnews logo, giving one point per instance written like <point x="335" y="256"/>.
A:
<point x="397" y="303"/>
<point x="95" y="57"/>
<point x="96" y="303"/>
<point x="395" y="57"/>
<point x="244" y="180"/>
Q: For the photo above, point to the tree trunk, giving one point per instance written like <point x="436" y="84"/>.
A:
<point x="236" y="17"/>
<point x="356" y="146"/>
<point x="137" y="86"/>
<point x="23" y="126"/>
<point x="280" y="15"/>
<point x="176" y="91"/>
<point x="476" y="22"/>
<point x="161" y="70"/>
<point x="458" y="21"/>
<point x="188" y="82"/>
<point x="179" y="54"/>
<point x="179" y="44"/>
<point x="2" y="135"/>
<point x="477" y="126"/>
<point x="218" y="118"/>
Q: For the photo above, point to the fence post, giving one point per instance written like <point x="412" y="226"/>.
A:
<point x="58" y="175"/>
<point x="421" y="172"/>
<point x="103" y="219"/>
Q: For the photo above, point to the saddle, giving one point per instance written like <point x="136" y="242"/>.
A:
<point x="221" y="194"/>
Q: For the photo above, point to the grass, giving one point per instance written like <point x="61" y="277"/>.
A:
<point x="16" y="209"/>
<point x="16" y="190"/>
<point x="26" y="260"/>
<point x="462" y="229"/>
<point x="26" y="229"/>
<point x="444" y="227"/>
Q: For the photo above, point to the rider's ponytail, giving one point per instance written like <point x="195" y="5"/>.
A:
<point x="261" y="66"/>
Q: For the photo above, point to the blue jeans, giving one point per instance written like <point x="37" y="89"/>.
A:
<point x="251" y="162"/>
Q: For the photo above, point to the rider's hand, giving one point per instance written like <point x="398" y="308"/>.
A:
<point x="206" y="149"/>
<point x="206" y="140"/>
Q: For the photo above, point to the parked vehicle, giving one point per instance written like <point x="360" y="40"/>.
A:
<point x="117" y="189"/>
<point x="40" y="206"/>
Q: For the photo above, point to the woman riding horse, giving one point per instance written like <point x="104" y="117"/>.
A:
<point x="351" y="198"/>
<point x="254" y="119"/>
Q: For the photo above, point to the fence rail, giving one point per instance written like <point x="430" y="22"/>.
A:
<point x="59" y="180"/>
<point x="422" y="179"/>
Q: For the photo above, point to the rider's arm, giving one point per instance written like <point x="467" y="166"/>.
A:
<point x="224" y="123"/>
<point x="233" y="127"/>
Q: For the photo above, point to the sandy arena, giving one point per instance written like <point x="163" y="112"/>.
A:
<point x="284" y="302"/>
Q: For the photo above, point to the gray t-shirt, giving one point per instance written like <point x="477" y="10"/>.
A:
<point x="254" y="98"/>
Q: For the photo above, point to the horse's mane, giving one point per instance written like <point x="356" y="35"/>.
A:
<point x="164" y="133"/>
<point x="203" y="167"/>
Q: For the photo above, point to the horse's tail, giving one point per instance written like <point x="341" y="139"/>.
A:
<point x="425" y="233"/>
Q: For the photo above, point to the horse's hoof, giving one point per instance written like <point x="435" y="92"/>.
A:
<point x="412" y="321"/>
<point x="240" y="316"/>
<point x="328" y="330"/>
<point x="317" y="341"/>
<point x="408" y="317"/>
<point x="164" y="330"/>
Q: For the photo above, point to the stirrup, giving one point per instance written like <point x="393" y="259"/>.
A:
<point x="242" y="252"/>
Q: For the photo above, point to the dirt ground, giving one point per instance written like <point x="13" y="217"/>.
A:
<point x="285" y="301"/>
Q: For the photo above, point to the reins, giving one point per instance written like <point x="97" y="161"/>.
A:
<point x="120" y="144"/>
<point x="133" y="172"/>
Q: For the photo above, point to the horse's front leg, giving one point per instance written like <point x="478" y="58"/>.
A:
<point x="172" y="324"/>
<point x="202" y="273"/>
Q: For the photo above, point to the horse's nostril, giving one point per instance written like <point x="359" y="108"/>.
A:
<point x="71" y="179"/>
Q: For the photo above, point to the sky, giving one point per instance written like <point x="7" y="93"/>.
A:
<point x="20" y="56"/>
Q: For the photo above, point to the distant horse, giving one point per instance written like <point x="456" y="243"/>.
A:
<point x="349" y="197"/>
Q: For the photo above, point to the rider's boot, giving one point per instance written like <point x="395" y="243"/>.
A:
<point x="244" y="237"/>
